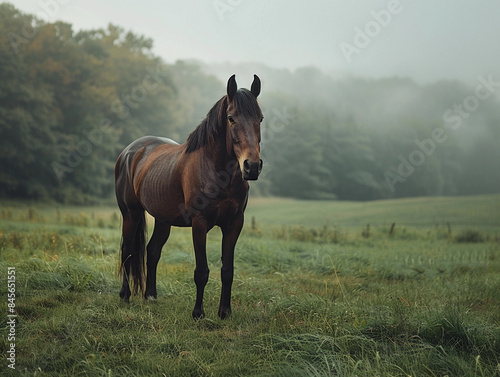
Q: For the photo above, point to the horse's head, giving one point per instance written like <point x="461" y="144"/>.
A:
<point x="243" y="127"/>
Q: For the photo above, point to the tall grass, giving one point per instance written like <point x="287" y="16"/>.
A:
<point x="307" y="300"/>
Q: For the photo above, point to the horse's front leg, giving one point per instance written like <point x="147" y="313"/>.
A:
<point x="230" y="234"/>
<point x="201" y="272"/>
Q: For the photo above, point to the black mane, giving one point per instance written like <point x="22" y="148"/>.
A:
<point x="209" y="127"/>
<point x="245" y="104"/>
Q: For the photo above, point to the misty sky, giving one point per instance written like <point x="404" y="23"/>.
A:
<point x="424" y="39"/>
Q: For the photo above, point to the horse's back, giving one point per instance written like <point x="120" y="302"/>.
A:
<point x="149" y="170"/>
<point x="144" y="145"/>
<point x="132" y="157"/>
<point x="147" y="142"/>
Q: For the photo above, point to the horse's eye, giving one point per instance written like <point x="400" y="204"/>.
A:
<point x="230" y="119"/>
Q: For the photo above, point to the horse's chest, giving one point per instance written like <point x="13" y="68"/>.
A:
<point x="228" y="209"/>
<point x="223" y="212"/>
<point x="220" y="202"/>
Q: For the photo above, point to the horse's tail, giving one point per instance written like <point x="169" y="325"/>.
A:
<point x="133" y="243"/>
<point x="133" y="250"/>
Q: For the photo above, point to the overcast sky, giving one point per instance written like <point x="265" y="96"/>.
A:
<point x="424" y="39"/>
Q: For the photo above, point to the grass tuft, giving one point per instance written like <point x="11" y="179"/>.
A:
<point x="470" y="236"/>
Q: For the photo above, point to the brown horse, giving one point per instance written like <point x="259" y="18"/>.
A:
<point x="201" y="183"/>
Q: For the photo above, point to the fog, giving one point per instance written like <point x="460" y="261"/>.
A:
<point x="383" y="99"/>
<point x="425" y="40"/>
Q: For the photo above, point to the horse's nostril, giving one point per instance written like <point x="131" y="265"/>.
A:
<point x="246" y="165"/>
<point x="261" y="163"/>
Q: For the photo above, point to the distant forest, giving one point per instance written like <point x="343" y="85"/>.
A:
<point x="71" y="101"/>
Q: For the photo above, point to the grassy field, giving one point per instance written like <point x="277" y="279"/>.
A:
<point x="321" y="289"/>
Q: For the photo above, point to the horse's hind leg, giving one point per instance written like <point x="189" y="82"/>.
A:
<point x="127" y="241"/>
<point x="125" y="291"/>
<point x="158" y="239"/>
<point x="130" y="230"/>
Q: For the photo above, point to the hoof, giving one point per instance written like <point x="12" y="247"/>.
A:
<point x="125" y="295"/>
<point x="198" y="314"/>
<point x="224" y="313"/>
<point x="150" y="296"/>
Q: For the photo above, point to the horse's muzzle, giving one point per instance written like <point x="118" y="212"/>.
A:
<point x="251" y="170"/>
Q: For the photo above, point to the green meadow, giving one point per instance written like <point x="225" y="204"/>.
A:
<point x="407" y="287"/>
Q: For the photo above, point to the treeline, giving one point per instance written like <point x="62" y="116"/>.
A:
<point x="362" y="139"/>
<point x="70" y="101"/>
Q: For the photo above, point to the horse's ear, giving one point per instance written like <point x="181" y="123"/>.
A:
<point x="232" y="87"/>
<point x="255" y="89"/>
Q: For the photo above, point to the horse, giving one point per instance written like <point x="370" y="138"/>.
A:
<point x="199" y="184"/>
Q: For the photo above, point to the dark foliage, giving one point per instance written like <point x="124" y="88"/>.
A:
<point x="69" y="102"/>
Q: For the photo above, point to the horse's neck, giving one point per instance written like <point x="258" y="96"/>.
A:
<point x="216" y="159"/>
